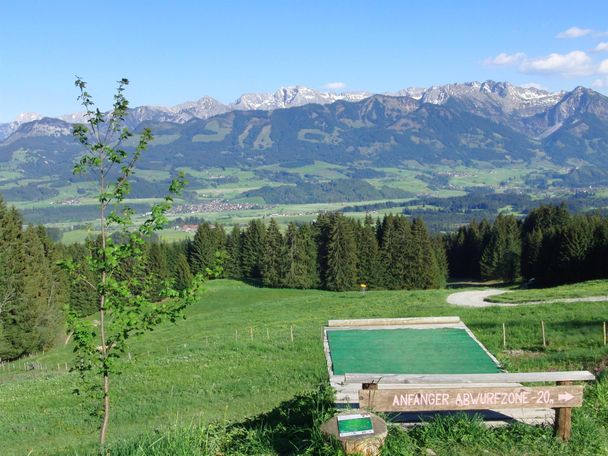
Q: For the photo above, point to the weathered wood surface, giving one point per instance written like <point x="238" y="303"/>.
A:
<point x="393" y="321"/>
<point x="520" y="377"/>
<point x="563" y="419"/>
<point x="434" y="399"/>
<point x="366" y="445"/>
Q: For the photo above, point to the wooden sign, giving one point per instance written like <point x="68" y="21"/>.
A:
<point x="481" y="398"/>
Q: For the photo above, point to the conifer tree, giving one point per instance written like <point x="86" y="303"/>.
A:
<point x="442" y="259"/>
<point x="182" y="275"/>
<point x="389" y="254"/>
<point x="32" y="288"/>
<point x="299" y="266"/>
<point x="598" y="261"/>
<point x="307" y="245"/>
<point x="501" y="257"/>
<point x="532" y="243"/>
<point x="252" y="250"/>
<point x="272" y="258"/>
<point x="541" y="263"/>
<point x="206" y="243"/>
<point x="43" y="293"/>
<point x="158" y="269"/>
<point x="368" y="253"/>
<point x="233" y="266"/>
<point x="425" y="270"/>
<point x="341" y="256"/>
<point x="323" y="226"/>
<point x="15" y="331"/>
<point x="575" y="242"/>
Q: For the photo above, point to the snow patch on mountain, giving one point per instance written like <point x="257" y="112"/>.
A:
<point x="287" y="97"/>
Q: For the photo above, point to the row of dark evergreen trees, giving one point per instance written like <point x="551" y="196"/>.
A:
<point x="33" y="289"/>
<point x="334" y="253"/>
<point x="551" y="246"/>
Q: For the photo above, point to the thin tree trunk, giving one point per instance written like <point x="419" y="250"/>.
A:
<point x="102" y="332"/>
<point x="106" y="411"/>
<point x="106" y="378"/>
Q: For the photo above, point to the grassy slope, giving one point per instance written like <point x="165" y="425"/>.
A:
<point x="199" y="372"/>
<point x="577" y="290"/>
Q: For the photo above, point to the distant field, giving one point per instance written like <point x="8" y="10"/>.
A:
<point x="62" y="210"/>
<point x="577" y="290"/>
<point x="208" y="368"/>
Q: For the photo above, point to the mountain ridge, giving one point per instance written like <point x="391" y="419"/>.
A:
<point x="448" y="125"/>
<point x="284" y="97"/>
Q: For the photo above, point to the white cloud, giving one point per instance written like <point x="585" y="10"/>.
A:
<point x="601" y="47"/>
<point x="574" y="32"/>
<point x="603" y="67"/>
<point x="334" y="85"/>
<point x="575" y="63"/>
<point x="506" y="59"/>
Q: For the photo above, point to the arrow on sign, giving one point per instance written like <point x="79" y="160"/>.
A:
<point x="565" y="397"/>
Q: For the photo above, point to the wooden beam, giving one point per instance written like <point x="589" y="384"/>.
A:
<point x="393" y="321"/>
<point x="485" y="398"/>
<point x="521" y="377"/>
<point x="563" y="419"/>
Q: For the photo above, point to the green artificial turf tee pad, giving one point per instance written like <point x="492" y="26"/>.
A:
<point x="407" y="351"/>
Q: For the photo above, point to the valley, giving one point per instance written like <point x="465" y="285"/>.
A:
<point x="292" y="155"/>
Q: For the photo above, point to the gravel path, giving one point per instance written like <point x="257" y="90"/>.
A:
<point x="477" y="299"/>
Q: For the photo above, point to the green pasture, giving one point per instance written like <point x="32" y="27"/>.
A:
<point x="233" y="359"/>
<point x="576" y="290"/>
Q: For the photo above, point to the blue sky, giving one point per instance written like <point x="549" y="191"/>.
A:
<point x="173" y="51"/>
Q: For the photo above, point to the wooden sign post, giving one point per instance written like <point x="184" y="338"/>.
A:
<point x="561" y="398"/>
<point x="481" y="398"/>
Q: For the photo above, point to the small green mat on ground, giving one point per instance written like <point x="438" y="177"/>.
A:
<point x="407" y="351"/>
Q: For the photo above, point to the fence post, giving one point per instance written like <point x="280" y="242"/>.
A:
<point x="542" y="325"/>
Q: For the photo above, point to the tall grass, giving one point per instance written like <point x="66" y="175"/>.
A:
<point x="292" y="429"/>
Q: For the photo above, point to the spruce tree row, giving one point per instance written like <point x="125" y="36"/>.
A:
<point x="32" y="287"/>
<point x="334" y="253"/>
<point x="551" y="246"/>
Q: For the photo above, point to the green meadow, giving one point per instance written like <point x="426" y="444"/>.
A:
<point x="576" y="290"/>
<point x="229" y="379"/>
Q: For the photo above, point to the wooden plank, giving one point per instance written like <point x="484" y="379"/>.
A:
<point x="520" y="377"/>
<point x="436" y="399"/>
<point x="393" y="321"/>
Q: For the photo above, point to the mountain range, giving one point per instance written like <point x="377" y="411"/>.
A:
<point x="205" y="107"/>
<point x="462" y="123"/>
